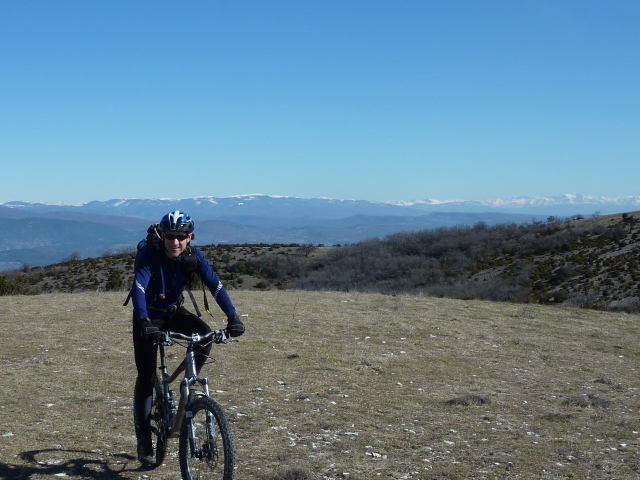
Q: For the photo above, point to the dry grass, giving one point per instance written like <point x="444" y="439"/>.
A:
<point x="335" y="385"/>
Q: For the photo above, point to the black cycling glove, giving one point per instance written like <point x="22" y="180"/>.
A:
<point x="234" y="326"/>
<point x="148" y="329"/>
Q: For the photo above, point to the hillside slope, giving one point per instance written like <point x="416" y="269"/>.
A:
<point x="586" y="262"/>
<point x="589" y="262"/>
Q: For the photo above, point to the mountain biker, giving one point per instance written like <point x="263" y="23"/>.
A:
<point x="160" y="278"/>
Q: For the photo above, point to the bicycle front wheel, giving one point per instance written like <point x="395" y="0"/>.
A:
<point x="206" y="444"/>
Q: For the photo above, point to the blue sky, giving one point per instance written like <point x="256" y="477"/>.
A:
<point x="373" y="100"/>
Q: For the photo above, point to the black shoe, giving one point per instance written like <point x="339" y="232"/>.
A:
<point x="145" y="453"/>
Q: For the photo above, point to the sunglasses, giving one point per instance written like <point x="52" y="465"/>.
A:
<point x="180" y="237"/>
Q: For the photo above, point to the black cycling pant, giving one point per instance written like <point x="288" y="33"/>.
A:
<point x="146" y="356"/>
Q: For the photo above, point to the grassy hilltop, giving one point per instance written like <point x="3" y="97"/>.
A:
<point x="329" y="385"/>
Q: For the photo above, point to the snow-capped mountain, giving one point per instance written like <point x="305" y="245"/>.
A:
<point x="209" y="208"/>
<point x="575" y="203"/>
<point x="46" y="233"/>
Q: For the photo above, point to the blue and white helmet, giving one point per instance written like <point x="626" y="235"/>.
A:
<point x="177" y="222"/>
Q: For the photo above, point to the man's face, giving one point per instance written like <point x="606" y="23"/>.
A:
<point x="175" y="243"/>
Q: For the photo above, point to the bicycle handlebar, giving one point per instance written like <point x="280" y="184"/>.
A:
<point x="217" y="336"/>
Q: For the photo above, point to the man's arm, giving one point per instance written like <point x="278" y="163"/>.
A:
<point x="234" y="326"/>
<point x="141" y="279"/>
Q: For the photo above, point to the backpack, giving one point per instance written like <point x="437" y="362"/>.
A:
<point x="190" y="265"/>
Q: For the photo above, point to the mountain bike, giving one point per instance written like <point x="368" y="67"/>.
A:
<point x="205" y="446"/>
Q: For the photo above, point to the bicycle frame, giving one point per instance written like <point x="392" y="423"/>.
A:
<point x="190" y="381"/>
<point x="205" y="441"/>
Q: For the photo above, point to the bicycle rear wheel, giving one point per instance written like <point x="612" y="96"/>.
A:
<point x="159" y="418"/>
<point x="159" y="427"/>
<point x="213" y="456"/>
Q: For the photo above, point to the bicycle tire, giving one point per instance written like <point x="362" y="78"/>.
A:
<point x="214" y="456"/>
<point x="159" y="428"/>
<point x="159" y="416"/>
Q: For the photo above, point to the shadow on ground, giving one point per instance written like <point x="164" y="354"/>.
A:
<point x="78" y="463"/>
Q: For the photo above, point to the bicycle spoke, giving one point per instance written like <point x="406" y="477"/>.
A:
<point x="213" y="454"/>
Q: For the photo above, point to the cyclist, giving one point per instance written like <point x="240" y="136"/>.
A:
<point x="160" y="278"/>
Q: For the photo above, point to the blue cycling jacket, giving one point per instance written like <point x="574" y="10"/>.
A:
<point x="152" y="281"/>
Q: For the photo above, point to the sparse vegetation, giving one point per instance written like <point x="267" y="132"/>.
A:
<point x="586" y="262"/>
<point x="14" y="283"/>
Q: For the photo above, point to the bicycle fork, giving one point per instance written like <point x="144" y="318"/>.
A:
<point x="188" y="392"/>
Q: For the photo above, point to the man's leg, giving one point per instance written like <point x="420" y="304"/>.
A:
<point x="145" y="354"/>
<point x="188" y="323"/>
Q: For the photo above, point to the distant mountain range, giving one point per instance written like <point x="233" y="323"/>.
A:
<point x="41" y="234"/>
<point x="208" y="208"/>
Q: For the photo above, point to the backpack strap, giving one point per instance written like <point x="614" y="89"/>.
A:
<point x="195" y="304"/>
<point x="206" y="302"/>
<point x="126" y="302"/>
<point x="189" y="251"/>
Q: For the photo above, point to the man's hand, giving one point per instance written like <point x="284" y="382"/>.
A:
<point x="148" y="329"/>
<point x="234" y="326"/>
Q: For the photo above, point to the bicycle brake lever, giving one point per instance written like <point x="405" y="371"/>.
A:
<point x="222" y="337"/>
